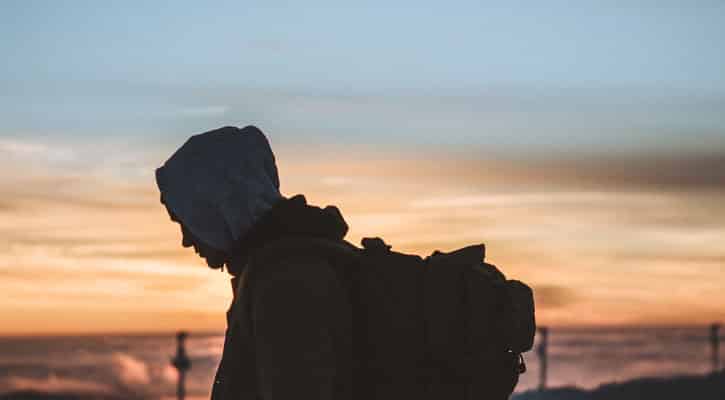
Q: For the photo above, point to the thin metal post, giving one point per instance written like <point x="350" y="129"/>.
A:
<point x="715" y="344"/>
<point x="182" y="363"/>
<point x="541" y="351"/>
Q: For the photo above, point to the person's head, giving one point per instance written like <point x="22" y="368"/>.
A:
<point x="216" y="186"/>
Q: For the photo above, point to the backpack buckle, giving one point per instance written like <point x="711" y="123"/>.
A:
<point x="521" y="368"/>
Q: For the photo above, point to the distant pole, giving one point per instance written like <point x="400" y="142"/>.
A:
<point x="541" y="351"/>
<point x="715" y="344"/>
<point x="182" y="363"/>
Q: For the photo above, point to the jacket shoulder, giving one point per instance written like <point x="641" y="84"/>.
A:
<point x="304" y="249"/>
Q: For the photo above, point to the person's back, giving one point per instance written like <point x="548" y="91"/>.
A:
<point x="289" y="328"/>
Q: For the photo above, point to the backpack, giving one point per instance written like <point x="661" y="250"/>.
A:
<point x="448" y="326"/>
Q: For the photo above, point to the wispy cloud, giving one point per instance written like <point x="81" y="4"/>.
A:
<point x="551" y="296"/>
<point x="28" y="149"/>
<point x="192" y="112"/>
<point x="573" y="228"/>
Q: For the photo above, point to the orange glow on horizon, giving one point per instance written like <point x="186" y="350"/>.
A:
<point x="99" y="254"/>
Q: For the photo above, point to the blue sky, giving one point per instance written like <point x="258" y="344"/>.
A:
<point x="326" y="46"/>
<point x="595" y="76"/>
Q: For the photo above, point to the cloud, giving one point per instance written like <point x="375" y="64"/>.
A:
<point x="517" y="120"/>
<point x="336" y="181"/>
<point x="473" y="167"/>
<point x="699" y="170"/>
<point x="109" y="376"/>
<point x="6" y="206"/>
<point x="192" y="112"/>
<point x="34" y="150"/>
<point x="130" y="371"/>
<point x="54" y="384"/>
<point x="670" y="256"/>
<point x="551" y="296"/>
<point x="525" y="199"/>
<point x="704" y="170"/>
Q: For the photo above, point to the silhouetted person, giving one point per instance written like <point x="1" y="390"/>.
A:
<point x="542" y="352"/>
<point x="182" y="363"/>
<point x="287" y="338"/>
<point x="715" y="344"/>
<point x="314" y="317"/>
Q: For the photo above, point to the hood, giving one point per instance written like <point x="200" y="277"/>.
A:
<point x="219" y="183"/>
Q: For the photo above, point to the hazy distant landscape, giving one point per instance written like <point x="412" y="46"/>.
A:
<point x="138" y="366"/>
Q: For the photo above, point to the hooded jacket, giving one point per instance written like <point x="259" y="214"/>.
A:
<point x="290" y="326"/>
<point x="288" y="333"/>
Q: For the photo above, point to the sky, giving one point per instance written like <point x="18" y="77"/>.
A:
<point x="583" y="144"/>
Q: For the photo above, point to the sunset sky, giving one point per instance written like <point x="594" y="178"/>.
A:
<point x="585" y="146"/>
